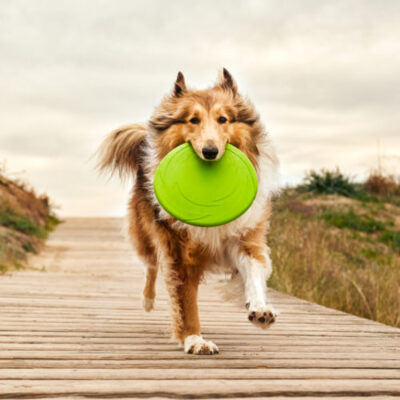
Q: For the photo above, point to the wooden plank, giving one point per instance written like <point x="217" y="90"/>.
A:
<point x="79" y="354"/>
<point x="329" y="344"/>
<point x="210" y="387"/>
<point x="212" y="328"/>
<point x="266" y="349"/>
<point x="196" y="374"/>
<point x="385" y="397"/>
<point x="155" y="333"/>
<point x="198" y="362"/>
<point x="163" y="315"/>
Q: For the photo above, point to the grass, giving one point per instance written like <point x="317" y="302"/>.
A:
<point x="25" y="221"/>
<point x="376" y="188"/>
<point x="20" y="236"/>
<point x="340" y="251"/>
<point x="13" y="220"/>
<point x="391" y="238"/>
<point x="3" y="269"/>
<point x="52" y="222"/>
<point x="386" y="186"/>
<point x="28" y="247"/>
<point x="350" y="220"/>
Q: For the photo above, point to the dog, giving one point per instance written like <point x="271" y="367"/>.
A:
<point x="207" y="119"/>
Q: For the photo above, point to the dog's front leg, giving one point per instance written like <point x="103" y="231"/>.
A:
<point x="255" y="270"/>
<point x="182" y="283"/>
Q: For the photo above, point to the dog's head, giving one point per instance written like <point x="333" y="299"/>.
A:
<point x="208" y="119"/>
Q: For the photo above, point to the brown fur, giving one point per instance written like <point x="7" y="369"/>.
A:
<point x="171" y="121"/>
<point x="252" y="242"/>
<point x="122" y="150"/>
<point x="157" y="240"/>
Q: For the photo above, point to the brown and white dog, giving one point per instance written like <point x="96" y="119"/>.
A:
<point x="208" y="119"/>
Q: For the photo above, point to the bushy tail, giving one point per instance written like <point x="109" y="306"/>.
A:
<point x="122" y="150"/>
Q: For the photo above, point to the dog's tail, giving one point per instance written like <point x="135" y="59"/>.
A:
<point x="122" y="150"/>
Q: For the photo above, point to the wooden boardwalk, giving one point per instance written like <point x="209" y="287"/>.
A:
<point x="78" y="331"/>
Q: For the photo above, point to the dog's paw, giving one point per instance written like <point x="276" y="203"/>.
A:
<point x="195" y="344"/>
<point x="262" y="316"/>
<point x="148" y="304"/>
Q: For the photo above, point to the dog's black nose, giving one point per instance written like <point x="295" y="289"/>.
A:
<point x="210" y="152"/>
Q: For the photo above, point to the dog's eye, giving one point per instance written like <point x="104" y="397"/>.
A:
<point x="221" y="120"/>
<point x="195" y="120"/>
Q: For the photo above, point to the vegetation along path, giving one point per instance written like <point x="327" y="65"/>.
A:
<point x="74" y="328"/>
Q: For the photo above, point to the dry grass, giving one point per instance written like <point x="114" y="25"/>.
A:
<point x="342" y="254"/>
<point x="25" y="220"/>
<point x="382" y="185"/>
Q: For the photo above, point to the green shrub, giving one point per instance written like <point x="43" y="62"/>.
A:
<point x="52" y="222"/>
<point x="10" y="219"/>
<point x="391" y="238"/>
<point x="29" y="247"/>
<point x="329" y="182"/>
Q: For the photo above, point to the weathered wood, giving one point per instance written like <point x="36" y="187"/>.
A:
<point x="200" y="362"/>
<point x="78" y="330"/>
<point x="225" y="398"/>
<point x="209" y="387"/>
<point x="266" y="349"/>
<point x="196" y="374"/>
<point x="79" y="354"/>
<point x="327" y="343"/>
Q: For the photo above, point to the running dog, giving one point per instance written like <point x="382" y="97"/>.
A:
<point x="208" y="119"/>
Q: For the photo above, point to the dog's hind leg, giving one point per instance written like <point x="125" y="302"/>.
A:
<point x="141" y="237"/>
<point x="149" y="258"/>
<point x="149" y="291"/>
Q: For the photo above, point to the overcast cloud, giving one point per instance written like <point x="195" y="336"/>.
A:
<point x="324" y="75"/>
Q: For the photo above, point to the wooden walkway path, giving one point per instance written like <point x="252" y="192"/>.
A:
<point x="78" y="331"/>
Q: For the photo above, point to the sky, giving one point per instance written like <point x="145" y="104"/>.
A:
<point x="324" y="76"/>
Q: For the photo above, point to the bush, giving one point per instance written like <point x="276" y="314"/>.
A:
<point x="25" y="220"/>
<point x="52" y="222"/>
<point x="329" y="182"/>
<point x="382" y="185"/>
<point x="10" y="219"/>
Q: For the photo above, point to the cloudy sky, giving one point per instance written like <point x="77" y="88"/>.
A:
<point x="324" y="75"/>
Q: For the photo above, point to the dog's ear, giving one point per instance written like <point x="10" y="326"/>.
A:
<point x="227" y="82"/>
<point x="180" y="85"/>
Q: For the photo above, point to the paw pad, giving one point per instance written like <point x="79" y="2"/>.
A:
<point x="262" y="317"/>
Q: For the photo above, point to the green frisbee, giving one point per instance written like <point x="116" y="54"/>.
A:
<point x="205" y="193"/>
